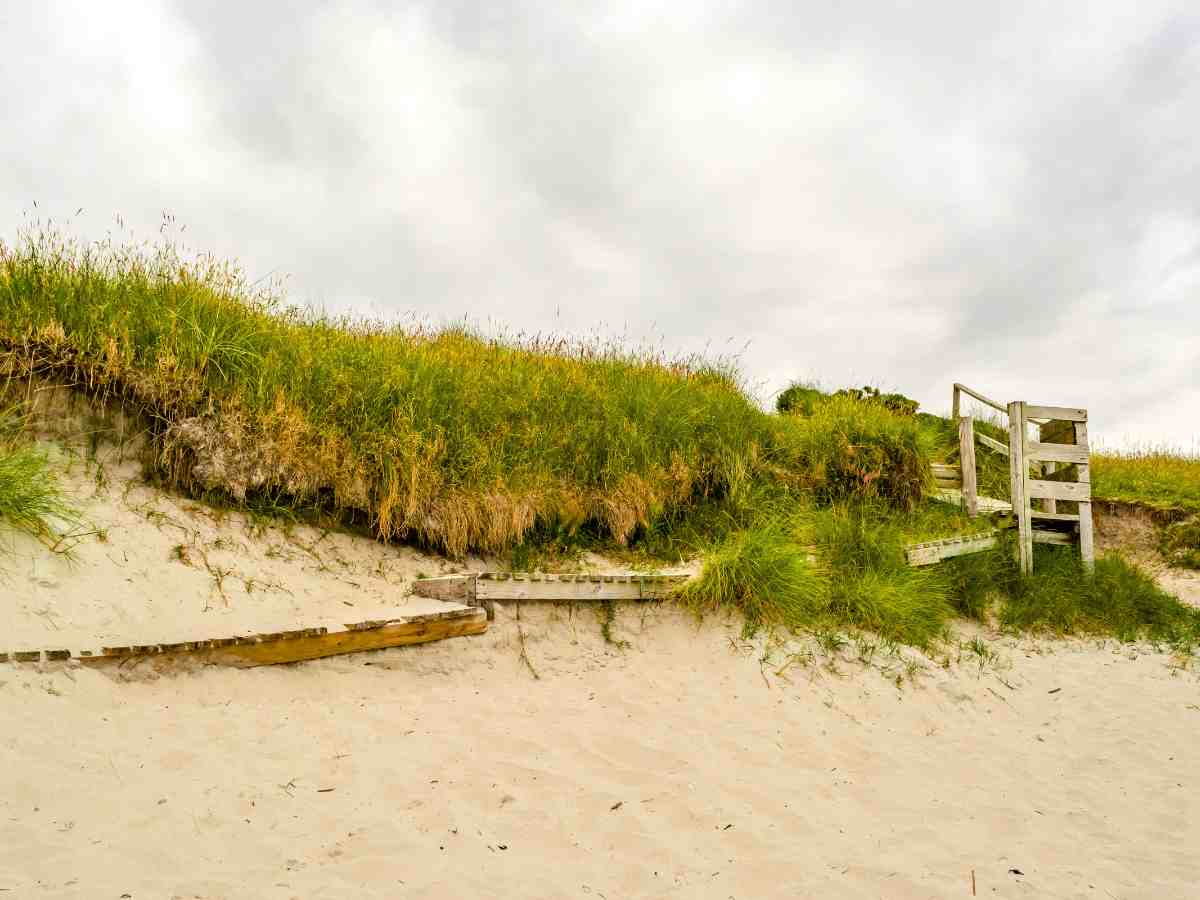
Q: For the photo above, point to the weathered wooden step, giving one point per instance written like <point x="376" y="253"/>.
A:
<point x="930" y="552"/>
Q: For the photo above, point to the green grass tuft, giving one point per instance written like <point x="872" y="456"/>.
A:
<point x="762" y="572"/>
<point x="31" y="500"/>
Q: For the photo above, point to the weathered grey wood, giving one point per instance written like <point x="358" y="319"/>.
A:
<point x="579" y="587"/>
<point x="1018" y="475"/>
<point x="453" y="588"/>
<point x="970" y="393"/>
<point x="1058" y="490"/>
<point x="945" y="470"/>
<point x="930" y="552"/>
<point x="1087" y="551"/>
<point x="1055" y="412"/>
<point x="966" y="449"/>
<point x="1058" y="453"/>
<point x="992" y="444"/>
<point x="1049" y="505"/>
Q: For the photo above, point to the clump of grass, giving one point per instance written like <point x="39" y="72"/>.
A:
<point x="764" y="573"/>
<point x="872" y="586"/>
<point x="31" y="500"/>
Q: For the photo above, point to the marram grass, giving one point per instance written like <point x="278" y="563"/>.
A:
<point x="439" y="436"/>
<point x="31" y="500"/>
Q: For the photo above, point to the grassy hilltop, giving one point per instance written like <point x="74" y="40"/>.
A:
<point x="462" y="443"/>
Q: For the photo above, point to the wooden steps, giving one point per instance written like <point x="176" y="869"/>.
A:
<point x="283" y="646"/>
<point x="986" y="505"/>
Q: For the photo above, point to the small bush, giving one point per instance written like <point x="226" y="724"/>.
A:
<point x="798" y="399"/>
<point x="897" y="403"/>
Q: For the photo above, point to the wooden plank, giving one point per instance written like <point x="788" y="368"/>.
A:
<point x="1087" y="550"/>
<point x="946" y="470"/>
<point x="1059" y="453"/>
<point x="1052" y="537"/>
<point x="992" y="444"/>
<point x="1055" y="412"/>
<point x="415" y="630"/>
<point x="580" y="587"/>
<point x="966" y="449"/>
<point x="931" y="552"/>
<point x="1054" y="516"/>
<point x="452" y="588"/>
<point x="1018" y="475"/>
<point x="1058" y="490"/>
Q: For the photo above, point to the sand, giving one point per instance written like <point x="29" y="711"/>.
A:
<point x="689" y="763"/>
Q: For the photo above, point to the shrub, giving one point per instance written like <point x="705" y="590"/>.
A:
<point x="798" y="398"/>
<point x="31" y="500"/>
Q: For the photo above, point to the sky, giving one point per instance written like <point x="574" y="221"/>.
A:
<point x="900" y="194"/>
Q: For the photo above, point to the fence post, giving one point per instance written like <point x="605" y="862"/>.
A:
<point x="966" y="461"/>
<point x="1019" y="474"/>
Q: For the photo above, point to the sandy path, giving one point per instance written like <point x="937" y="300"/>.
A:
<point x="679" y="767"/>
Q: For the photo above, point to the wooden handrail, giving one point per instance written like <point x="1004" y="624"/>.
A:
<point x="962" y="388"/>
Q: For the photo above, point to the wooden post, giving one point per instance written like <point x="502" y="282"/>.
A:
<point x="1086" y="549"/>
<point x="966" y="461"/>
<point x="1019" y="474"/>
<point x="954" y="405"/>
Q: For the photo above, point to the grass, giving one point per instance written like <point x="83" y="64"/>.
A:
<point x="31" y="500"/>
<point x="1154" y="477"/>
<point x="439" y="436"/>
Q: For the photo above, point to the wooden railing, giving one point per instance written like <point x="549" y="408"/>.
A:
<point x="1062" y="441"/>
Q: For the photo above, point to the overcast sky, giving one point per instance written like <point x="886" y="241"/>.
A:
<point x="1002" y="194"/>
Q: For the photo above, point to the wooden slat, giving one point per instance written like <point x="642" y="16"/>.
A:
<point x="1054" y="516"/>
<point x="992" y="444"/>
<point x="927" y="554"/>
<point x="580" y="588"/>
<point x="966" y="449"/>
<point x="1055" y="412"/>
<point x="1086" y="539"/>
<point x="1058" y="490"/>
<point x="1018" y="471"/>
<point x="1037" y="451"/>
<point x="945" y="470"/>
<point x="1052" y="537"/>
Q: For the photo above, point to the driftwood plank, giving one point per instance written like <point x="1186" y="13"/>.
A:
<point x="580" y="587"/>
<point x="1052" y="537"/>
<point x="1054" y="516"/>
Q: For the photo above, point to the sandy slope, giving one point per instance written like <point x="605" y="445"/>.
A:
<point x="684" y="765"/>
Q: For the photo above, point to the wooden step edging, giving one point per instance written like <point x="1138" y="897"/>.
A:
<point x="484" y="588"/>
<point x="273" y="648"/>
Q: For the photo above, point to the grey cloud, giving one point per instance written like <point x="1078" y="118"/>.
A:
<point x="905" y="194"/>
